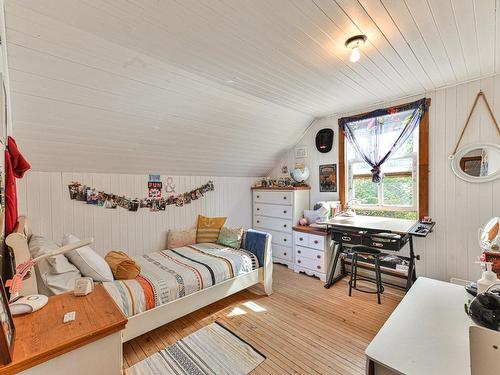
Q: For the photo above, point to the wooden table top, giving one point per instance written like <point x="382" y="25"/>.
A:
<point x="42" y="335"/>
<point x="312" y="230"/>
<point x="282" y="188"/>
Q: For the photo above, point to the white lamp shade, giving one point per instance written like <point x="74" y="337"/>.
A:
<point x="355" y="55"/>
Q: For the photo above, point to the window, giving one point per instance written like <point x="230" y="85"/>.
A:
<point x="397" y="194"/>
<point x="403" y="191"/>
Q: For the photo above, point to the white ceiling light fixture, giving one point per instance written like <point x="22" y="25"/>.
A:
<point x="355" y="43"/>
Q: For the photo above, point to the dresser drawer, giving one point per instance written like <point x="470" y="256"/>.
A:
<point x="301" y="238"/>
<point x="273" y="210"/>
<point x="278" y="238"/>
<point x="273" y="223"/>
<point x="282" y="252"/>
<point x="317" y="242"/>
<point x="273" y="197"/>
<point x="305" y="252"/>
<point x="313" y="264"/>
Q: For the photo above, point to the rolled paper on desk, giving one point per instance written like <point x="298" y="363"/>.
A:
<point x="65" y="249"/>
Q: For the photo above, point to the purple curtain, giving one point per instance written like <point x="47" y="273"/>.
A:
<point x="377" y="135"/>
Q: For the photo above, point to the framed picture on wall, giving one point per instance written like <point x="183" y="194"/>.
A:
<point x="328" y="178"/>
<point x="7" y="331"/>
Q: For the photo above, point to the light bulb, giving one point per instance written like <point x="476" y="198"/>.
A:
<point x="355" y="55"/>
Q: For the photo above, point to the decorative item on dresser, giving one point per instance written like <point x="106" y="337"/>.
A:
<point x="312" y="249"/>
<point x="276" y="211"/>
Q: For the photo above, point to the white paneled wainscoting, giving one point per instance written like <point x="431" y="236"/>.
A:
<point x="458" y="207"/>
<point x="44" y="198"/>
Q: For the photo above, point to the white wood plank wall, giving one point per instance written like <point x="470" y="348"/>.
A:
<point x="458" y="207"/>
<point x="44" y="198"/>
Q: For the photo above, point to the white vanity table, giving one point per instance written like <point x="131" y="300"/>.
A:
<point x="428" y="333"/>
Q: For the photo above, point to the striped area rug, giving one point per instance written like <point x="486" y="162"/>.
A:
<point x="213" y="350"/>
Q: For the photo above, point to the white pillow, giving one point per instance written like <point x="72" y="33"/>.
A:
<point x="87" y="260"/>
<point x="56" y="274"/>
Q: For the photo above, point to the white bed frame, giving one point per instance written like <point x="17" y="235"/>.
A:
<point x="160" y="315"/>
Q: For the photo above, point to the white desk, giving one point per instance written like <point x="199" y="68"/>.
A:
<point x="428" y="333"/>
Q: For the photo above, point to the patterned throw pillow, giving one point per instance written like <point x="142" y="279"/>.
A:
<point x="180" y="238"/>
<point x="209" y="228"/>
<point x="230" y="237"/>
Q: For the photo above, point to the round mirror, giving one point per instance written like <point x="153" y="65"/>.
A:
<point x="489" y="236"/>
<point x="477" y="163"/>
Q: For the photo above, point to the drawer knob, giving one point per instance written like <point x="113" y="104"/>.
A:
<point x="284" y="254"/>
<point x="258" y="196"/>
<point x="284" y="212"/>
<point x="301" y="239"/>
<point x="298" y="251"/>
<point x="318" y="256"/>
<point x="284" y="239"/>
<point x="284" y="225"/>
<point x="258" y="209"/>
<point x="258" y="221"/>
<point x="284" y="197"/>
<point x="299" y="261"/>
<point x="318" y="267"/>
<point x="316" y="242"/>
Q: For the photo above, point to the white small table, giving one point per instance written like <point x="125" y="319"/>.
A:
<point x="428" y="333"/>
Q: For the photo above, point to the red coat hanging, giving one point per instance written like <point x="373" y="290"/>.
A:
<point x="15" y="167"/>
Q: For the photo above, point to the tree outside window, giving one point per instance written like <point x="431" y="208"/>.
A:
<point x="397" y="194"/>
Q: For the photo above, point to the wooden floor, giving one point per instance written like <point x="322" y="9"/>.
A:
<point x="302" y="328"/>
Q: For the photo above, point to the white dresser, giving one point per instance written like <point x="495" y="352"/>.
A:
<point x="276" y="211"/>
<point x="312" y="251"/>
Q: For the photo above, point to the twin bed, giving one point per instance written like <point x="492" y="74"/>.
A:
<point x="172" y="282"/>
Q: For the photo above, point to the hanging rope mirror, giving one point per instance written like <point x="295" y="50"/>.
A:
<point x="478" y="162"/>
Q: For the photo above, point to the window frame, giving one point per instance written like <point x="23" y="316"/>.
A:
<point x="413" y="173"/>
<point x="421" y="199"/>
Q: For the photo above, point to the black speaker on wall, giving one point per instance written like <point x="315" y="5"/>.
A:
<point x="324" y="140"/>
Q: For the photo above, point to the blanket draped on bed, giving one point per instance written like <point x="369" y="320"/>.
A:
<point x="170" y="274"/>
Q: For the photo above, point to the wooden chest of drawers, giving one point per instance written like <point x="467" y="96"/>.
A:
<point x="276" y="211"/>
<point x="312" y="251"/>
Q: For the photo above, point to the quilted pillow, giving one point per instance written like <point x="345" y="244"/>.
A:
<point x="230" y="237"/>
<point x="88" y="261"/>
<point x="179" y="238"/>
<point x="208" y="228"/>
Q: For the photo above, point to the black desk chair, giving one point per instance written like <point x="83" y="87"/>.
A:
<point x="366" y="252"/>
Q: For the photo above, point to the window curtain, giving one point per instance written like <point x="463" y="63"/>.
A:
<point x="377" y="135"/>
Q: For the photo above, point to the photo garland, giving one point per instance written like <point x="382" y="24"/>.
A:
<point x="155" y="202"/>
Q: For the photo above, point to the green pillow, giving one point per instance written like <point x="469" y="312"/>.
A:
<point x="230" y="237"/>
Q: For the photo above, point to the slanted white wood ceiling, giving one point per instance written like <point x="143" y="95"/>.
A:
<point x="221" y="87"/>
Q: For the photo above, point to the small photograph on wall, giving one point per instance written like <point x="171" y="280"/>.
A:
<point x="154" y="189"/>
<point x="328" y="178"/>
<point x="92" y="196"/>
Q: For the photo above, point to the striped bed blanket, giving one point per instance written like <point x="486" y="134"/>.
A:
<point x="170" y="274"/>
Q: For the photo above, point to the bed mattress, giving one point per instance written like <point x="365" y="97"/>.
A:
<point x="167" y="275"/>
